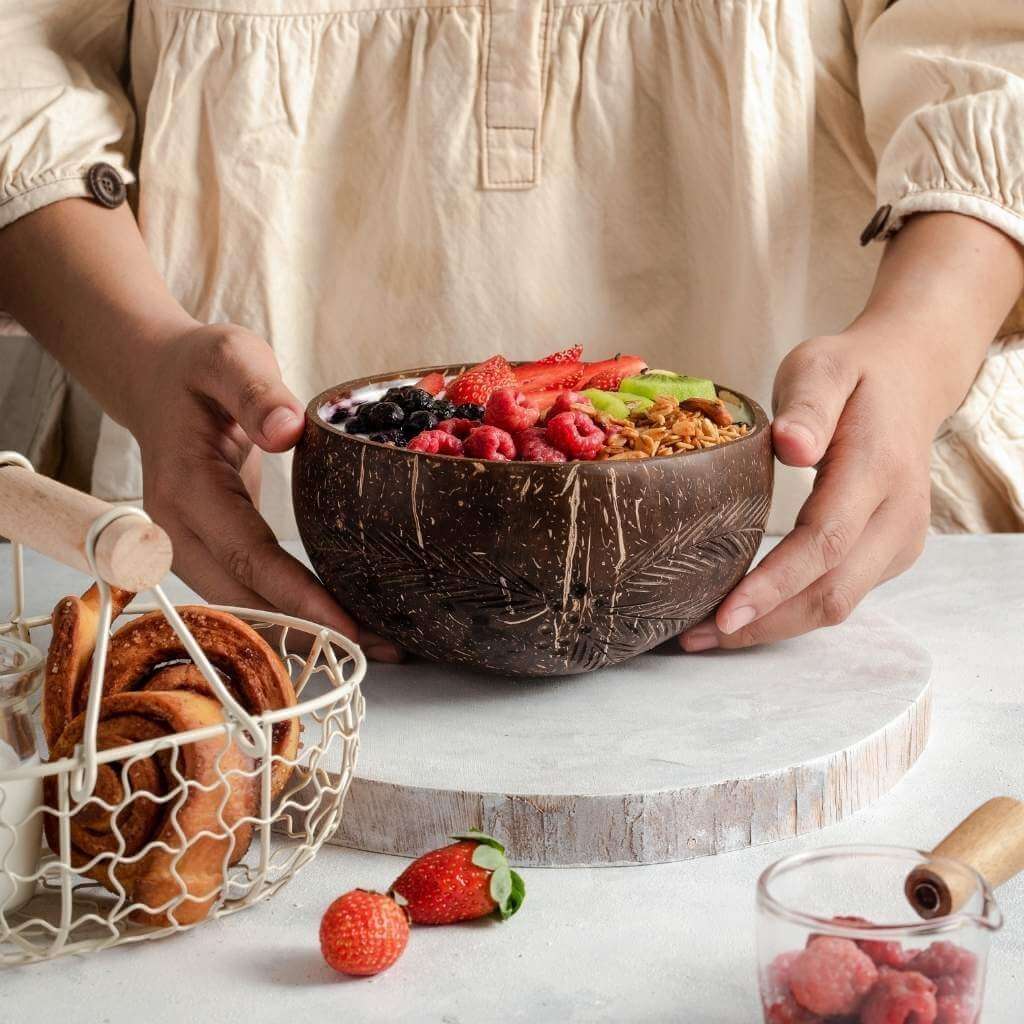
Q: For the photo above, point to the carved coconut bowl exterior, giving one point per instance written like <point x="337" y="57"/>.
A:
<point x="527" y="569"/>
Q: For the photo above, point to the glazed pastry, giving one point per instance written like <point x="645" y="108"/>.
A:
<point x="68" y="662"/>
<point x="142" y="651"/>
<point x="141" y="654"/>
<point x="213" y="816"/>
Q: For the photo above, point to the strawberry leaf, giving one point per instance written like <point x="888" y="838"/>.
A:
<point x="507" y="890"/>
<point x="516" y="897"/>
<point x="479" y="837"/>
<point x="488" y="858"/>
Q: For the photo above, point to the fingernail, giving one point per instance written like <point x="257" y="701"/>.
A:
<point x="700" y="638"/>
<point x="797" y="430"/>
<point x="737" y="619"/>
<point x="277" y="421"/>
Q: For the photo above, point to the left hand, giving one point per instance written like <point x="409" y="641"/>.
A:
<point x="859" y="407"/>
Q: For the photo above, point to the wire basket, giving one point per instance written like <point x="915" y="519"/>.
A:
<point x="246" y="850"/>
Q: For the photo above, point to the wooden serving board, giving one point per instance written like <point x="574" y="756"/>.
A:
<point x="664" y="758"/>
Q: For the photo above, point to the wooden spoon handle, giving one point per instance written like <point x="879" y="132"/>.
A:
<point x="990" y="840"/>
<point x="54" y="519"/>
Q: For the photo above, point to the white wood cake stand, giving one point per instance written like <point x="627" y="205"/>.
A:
<point x="665" y="758"/>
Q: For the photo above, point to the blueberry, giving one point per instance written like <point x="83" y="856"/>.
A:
<point x="393" y="395"/>
<point x="443" y="409"/>
<point x="358" y="425"/>
<point x="338" y="415"/>
<point x="385" y="414"/>
<point x="420" y="420"/>
<point x="469" y="412"/>
<point x="387" y="437"/>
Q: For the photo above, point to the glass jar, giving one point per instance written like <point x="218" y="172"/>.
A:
<point x="21" y="792"/>
<point x="801" y="897"/>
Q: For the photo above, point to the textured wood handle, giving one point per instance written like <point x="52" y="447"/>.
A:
<point x="54" y="520"/>
<point x="990" y="840"/>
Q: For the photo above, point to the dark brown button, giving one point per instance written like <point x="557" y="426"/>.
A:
<point x="876" y="225"/>
<point x="106" y="185"/>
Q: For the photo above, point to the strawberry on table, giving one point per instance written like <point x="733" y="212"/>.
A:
<point x="610" y="373"/>
<point x="474" y="386"/>
<point x="363" y="932"/>
<point x="468" y="879"/>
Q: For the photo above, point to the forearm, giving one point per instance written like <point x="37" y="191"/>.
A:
<point x="944" y="287"/>
<point x="78" y="277"/>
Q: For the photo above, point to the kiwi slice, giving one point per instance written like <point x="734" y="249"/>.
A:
<point x="663" y="382"/>
<point x="606" y="402"/>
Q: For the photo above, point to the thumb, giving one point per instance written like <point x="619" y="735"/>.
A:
<point x="812" y="387"/>
<point x="240" y="373"/>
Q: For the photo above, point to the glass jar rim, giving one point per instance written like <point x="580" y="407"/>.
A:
<point x="19" y="681"/>
<point x="990" y="918"/>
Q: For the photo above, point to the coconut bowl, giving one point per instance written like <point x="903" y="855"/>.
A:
<point x="527" y="569"/>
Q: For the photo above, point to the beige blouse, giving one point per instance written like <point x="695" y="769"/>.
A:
<point x="378" y="184"/>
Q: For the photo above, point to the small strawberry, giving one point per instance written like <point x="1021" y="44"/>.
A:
<point x="433" y="383"/>
<point x="566" y="355"/>
<point x="543" y="376"/>
<point x="457" y="883"/>
<point x="610" y="373"/>
<point x="363" y="932"/>
<point x="474" y="386"/>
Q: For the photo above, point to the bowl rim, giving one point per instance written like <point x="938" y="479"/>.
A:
<point x="761" y="422"/>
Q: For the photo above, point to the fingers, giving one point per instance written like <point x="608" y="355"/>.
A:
<point x="880" y="553"/>
<point x="247" y="553"/>
<point x="238" y="371"/>
<point x="849" y="488"/>
<point x="811" y="390"/>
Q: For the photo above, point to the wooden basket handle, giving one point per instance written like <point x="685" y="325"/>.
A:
<point x="990" y="840"/>
<point x="55" y="520"/>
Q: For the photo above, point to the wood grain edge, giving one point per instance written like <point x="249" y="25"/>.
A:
<point x="652" y="828"/>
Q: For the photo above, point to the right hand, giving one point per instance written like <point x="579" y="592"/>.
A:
<point x="208" y="401"/>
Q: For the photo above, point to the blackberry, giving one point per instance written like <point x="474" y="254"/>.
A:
<point x="444" y="410"/>
<point x="413" y="399"/>
<point x="393" y="395"/>
<point x="339" y="415"/>
<point x="385" y="414"/>
<point x="468" y="412"/>
<point x="421" y="420"/>
<point x="358" y="425"/>
<point x="388" y="437"/>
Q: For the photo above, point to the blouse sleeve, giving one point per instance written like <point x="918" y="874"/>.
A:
<point x="942" y="89"/>
<point x="66" y="123"/>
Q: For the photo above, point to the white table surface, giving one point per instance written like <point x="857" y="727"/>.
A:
<point x="670" y="942"/>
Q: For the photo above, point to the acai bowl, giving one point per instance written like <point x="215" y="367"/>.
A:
<point x="544" y="552"/>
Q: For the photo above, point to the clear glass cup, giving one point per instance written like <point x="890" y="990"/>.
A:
<point x="21" y="793"/>
<point x="800" y="896"/>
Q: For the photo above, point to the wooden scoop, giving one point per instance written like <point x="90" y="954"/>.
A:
<point x="53" y="519"/>
<point x="990" y="840"/>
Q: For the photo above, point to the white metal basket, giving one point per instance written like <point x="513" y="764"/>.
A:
<point x="71" y="913"/>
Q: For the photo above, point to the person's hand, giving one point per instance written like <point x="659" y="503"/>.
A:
<point x="860" y="407"/>
<point x="206" y="403"/>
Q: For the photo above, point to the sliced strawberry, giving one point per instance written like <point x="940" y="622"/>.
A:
<point x="540" y="377"/>
<point x="567" y="355"/>
<point x="543" y="400"/>
<point x="433" y="383"/>
<point x="610" y="373"/>
<point x="475" y="386"/>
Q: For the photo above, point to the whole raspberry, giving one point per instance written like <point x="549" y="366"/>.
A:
<point x="435" y="442"/>
<point x="490" y="444"/>
<point x="460" y="428"/>
<point x="948" y="960"/>
<point x="831" y="977"/>
<point x="523" y="437"/>
<point x="787" y="1010"/>
<point x="363" y="932"/>
<point x="537" y="450"/>
<point x="777" y="1001"/>
<point x="884" y="954"/>
<point x="900" y="997"/>
<point x="951" y="1009"/>
<point x="575" y="435"/>
<point x="567" y="402"/>
<point x="507" y="409"/>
